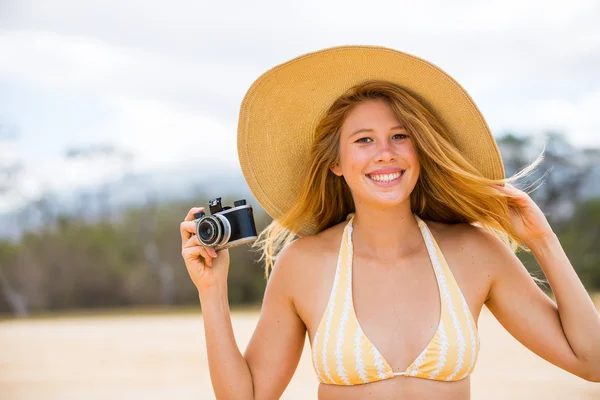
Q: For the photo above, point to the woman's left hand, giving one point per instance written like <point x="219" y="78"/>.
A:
<point x="526" y="218"/>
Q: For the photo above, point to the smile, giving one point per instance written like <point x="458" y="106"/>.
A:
<point x="386" y="179"/>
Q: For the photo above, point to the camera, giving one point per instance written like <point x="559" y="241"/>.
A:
<point x="226" y="226"/>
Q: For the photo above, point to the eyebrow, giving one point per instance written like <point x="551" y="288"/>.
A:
<point x="371" y="130"/>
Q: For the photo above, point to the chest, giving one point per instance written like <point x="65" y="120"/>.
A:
<point x="397" y="305"/>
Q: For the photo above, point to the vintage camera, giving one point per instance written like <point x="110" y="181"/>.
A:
<point x="226" y="226"/>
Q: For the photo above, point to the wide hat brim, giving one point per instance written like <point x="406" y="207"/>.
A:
<point x="280" y="112"/>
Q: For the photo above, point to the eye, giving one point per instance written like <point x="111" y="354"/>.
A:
<point x="362" y="140"/>
<point x="403" y="136"/>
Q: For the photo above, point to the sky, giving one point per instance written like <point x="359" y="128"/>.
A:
<point x="163" y="81"/>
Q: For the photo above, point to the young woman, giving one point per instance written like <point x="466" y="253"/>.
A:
<point x="385" y="169"/>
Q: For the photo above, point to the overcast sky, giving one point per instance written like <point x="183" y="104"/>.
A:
<point x="164" y="80"/>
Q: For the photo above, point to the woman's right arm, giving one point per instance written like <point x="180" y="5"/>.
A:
<point x="276" y="345"/>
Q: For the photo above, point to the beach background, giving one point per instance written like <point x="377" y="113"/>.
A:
<point x="153" y="354"/>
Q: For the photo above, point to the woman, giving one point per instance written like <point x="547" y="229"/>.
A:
<point x="387" y="171"/>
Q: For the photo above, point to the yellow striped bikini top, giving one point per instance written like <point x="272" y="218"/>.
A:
<point x="343" y="355"/>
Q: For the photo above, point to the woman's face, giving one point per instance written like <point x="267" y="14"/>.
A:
<point x="377" y="156"/>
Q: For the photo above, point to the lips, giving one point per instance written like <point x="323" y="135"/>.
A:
<point x="385" y="171"/>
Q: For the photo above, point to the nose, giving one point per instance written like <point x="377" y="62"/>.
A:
<point x="385" y="152"/>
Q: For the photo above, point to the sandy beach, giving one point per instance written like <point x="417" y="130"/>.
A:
<point x="162" y="355"/>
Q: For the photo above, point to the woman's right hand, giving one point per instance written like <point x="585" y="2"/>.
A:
<point x="206" y="267"/>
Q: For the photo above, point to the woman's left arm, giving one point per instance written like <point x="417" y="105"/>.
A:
<point x="566" y="333"/>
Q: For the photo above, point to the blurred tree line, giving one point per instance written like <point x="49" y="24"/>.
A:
<point x="132" y="256"/>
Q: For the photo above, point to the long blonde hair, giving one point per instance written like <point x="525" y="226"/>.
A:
<point x="449" y="188"/>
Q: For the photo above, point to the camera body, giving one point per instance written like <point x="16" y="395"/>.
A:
<point x="226" y="226"/>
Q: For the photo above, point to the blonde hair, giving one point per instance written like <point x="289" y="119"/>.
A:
<point x="449" y="188"/>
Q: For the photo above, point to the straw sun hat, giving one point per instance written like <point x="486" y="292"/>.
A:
<point x="282" y="108"/>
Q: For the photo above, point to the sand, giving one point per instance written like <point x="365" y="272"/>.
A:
<point x="163" y="356"/>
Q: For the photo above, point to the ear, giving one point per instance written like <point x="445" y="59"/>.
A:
<point x="336" y="169"/>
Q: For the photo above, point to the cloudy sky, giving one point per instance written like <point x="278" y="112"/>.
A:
<point x="164" y="80"/>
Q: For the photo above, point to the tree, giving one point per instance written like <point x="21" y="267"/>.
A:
<point x="10" y="171"/>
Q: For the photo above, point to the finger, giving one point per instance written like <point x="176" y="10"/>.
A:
<point x="193" y="253"/>
<point x="193" y="241"/>
<point x="187" y="229"/>
<point x="507" y="189"/>
<point x="207" y="252"/>
<point x="512" y="189"/>
<point x="515" y="194"/>
<point x="190" y="214"/>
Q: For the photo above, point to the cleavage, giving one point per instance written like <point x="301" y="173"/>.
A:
<point x="397" y="307"/>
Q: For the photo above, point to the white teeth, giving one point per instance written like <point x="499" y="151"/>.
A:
<point x="385" y="177"/>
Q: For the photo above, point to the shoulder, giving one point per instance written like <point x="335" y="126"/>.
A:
<point x="309" y="261"/>
<point x="308" y="249"/>
<point x="474" y="248"/>
<point x="472" y="238"/>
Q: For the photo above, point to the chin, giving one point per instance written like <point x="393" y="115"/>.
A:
<point x="387" y="202"/>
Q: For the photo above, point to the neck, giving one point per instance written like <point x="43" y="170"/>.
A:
<point x="385" y="233"/>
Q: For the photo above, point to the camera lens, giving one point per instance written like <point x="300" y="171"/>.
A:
<point x="208" y="232"/>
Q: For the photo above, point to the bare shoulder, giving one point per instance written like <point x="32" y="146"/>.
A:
<point x="309" y="264"/>
<point x="307" y="252"/>
<point x="475" y="255"/>
<point x="471" y="238"/>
